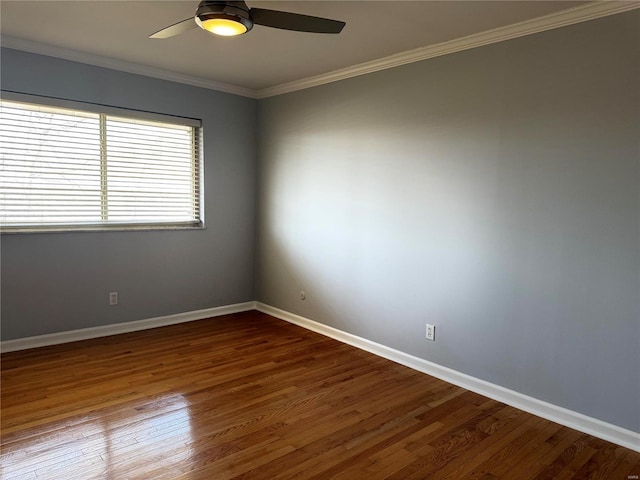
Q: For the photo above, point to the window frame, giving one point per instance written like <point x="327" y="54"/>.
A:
<point x="96" y="108"/>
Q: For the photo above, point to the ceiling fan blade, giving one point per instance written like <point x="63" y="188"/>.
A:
<point x="295" y="21"/>
<point x="175" y="29"/>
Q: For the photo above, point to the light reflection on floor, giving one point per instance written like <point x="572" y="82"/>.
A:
<point x="112" y="445"/>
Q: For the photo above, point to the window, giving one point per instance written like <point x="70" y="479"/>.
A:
<point x="95" y="167"/>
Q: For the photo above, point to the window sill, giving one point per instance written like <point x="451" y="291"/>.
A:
<point x="95" y="229"/>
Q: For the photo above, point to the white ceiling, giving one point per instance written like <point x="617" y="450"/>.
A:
<point x="265" y="57"/>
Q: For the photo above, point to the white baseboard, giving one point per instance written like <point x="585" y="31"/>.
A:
<point x="126" y="327"/>
<point x="563" y="416"/>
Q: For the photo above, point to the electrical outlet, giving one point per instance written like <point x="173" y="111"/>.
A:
<point x="302" y="295"/>
<point x="431" y="332"/>
<point x="113" y="298"/>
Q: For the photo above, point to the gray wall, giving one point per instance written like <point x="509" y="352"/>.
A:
<point x="58" y="282"/>
<point x="493" y="192"/>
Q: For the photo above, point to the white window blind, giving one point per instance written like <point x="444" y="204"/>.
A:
<point x="67" y="168"/>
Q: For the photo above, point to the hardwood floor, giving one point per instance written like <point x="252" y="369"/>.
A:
<point x="249" y="396"/>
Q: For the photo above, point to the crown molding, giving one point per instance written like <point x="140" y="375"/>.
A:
<point x="590" y="11"/>
<point x="121" y="65"/>
<point x="563" y="18"/>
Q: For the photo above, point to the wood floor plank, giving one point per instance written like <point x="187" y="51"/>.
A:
<point x="246" y="396"/>
<point x="632" y="473"/>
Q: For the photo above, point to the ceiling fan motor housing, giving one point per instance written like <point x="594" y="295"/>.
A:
<point x="235" y="11"/>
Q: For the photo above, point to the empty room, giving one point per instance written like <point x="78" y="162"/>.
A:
<point x="320" y="239"/>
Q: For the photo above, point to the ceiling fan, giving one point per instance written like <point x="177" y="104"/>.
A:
<point x="235" y="18"/>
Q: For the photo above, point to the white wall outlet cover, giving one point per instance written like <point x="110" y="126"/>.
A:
<point x="431" y="332"/>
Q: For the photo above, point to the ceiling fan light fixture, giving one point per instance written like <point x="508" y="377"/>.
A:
<point x="231" y="18"/>
<point x="224" y="26"/>
<point x="222" y="18"/>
